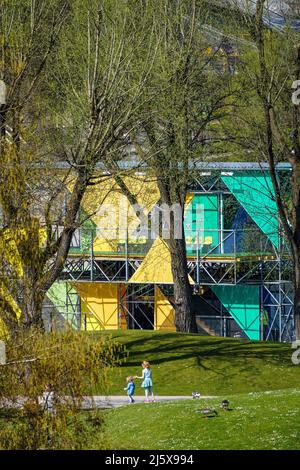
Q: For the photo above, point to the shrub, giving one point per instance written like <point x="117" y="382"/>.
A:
<point x="43" y="384"/>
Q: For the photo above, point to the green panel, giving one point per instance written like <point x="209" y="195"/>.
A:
<point x="58" y="296"/>
<point x="202" y="215"/>
<point x="255" y="193"/>
<point x="87" y="231"/>
<point x="243" y="303"/>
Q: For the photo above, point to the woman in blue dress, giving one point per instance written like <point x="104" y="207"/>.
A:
<point x="147" y="383"/>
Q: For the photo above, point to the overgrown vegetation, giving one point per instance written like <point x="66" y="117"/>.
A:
<point x="43" y="383"/>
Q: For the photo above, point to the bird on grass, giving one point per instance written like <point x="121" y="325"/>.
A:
<point x="208" y="412"/>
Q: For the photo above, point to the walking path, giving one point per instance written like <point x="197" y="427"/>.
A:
<point x="114" y="401"/>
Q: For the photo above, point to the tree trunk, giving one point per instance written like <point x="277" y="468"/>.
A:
<point x="32" y="306"/>
<point x="184" y="315"/>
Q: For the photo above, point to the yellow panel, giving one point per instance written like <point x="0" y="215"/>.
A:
<point x="108" y="192"/>
<point x="189" y="198"/>
<point x="156" y="267"/>
<point x="164" y="312"/>
<point x="100" y="302"/>
<point x="105" y="246"/>
<point x="123" y="306"/>
<point x="89" y="321"/>
<point x="118" y="211"/>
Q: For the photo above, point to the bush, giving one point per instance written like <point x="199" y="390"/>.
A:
<point x="43" y="384"/>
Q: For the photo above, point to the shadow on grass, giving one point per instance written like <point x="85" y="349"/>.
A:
<point x="240" y="355"/>
<point x="176" y="349"/>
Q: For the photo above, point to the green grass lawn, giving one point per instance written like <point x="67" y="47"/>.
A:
<point x="182" y="363"/>
<point x="264" y="420"/>
<point x="259" y="379"/>
<point x="256" y="421"/>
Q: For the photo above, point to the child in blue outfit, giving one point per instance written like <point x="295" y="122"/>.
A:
<point x="130" y="388"/>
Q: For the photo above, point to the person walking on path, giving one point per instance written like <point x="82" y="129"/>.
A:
<point x="130" y="388"/>
<point x="147" y="383"/>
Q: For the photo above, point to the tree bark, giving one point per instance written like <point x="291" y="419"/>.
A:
<point x="32" y="308"/>
<point x="185" y="321"/>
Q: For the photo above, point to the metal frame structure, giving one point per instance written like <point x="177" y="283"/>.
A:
<point x="135" y="297"/>
<point x="271" y="271"/>
<point x="263" y="265"/>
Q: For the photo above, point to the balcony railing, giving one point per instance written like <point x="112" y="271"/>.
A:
<point x="202" y="243"/>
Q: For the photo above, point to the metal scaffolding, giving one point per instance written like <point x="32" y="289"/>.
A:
<point x="268" y="268"/>
<point x="236" y="257"/>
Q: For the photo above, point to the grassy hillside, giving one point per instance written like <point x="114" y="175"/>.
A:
<point x="259" y="379"/>
<point x="182" y="363"/>
<point x="256" y="421"/>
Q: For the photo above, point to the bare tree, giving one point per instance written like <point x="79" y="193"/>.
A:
<point x="269" y="119"/>
<point x="185" y="95"/>
<point x="30" y="33"/>
<point x="282" y="126"/>
<point x="88" y="90"/>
